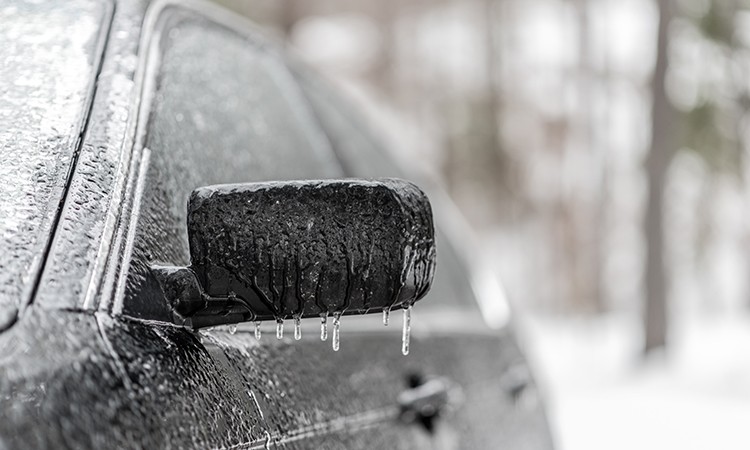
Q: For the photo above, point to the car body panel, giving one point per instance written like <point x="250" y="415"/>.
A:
<point x="98" y="196"/>
<point x="43" y="113"/>
<point x="106" y="382"/>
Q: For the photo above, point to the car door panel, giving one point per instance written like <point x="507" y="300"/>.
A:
<point x="234" y="115"/>
<point x="308" y="386"/>
<point x="58" y="383"/>
<point x="179" y="393"/>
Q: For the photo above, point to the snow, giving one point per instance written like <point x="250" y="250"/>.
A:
<point x="600" y="394"/>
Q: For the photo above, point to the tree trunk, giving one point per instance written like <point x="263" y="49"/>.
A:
<point x="588" y="262"/>
<point x="657" y="163"/>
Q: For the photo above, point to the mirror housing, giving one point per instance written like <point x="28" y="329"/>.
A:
<point x="298" y="249"/>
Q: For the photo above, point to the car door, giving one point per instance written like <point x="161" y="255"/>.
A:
<point x="222" y="106"/>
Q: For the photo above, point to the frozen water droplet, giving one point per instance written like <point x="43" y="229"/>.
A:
<point x="232" y="329"/>
<point x="336" y="330"/>
<point x="386" y="316"/>
<point x="297" y="329"/>
<point x="323" y="327"/>
<point x="257" y="330"/>
<point x="280" y="329"/>
<point x="406" y="331"/>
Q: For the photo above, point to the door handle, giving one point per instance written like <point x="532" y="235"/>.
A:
<point x="427" y="399"/>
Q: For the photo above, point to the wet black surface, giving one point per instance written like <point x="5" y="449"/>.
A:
<point x="180" y="394"/>
<point x="311" y="249"/>
<point x="59" y="386"/>
<point x="68" y="381"/>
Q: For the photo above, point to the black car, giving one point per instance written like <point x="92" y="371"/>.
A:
<point x="113" y="114"/>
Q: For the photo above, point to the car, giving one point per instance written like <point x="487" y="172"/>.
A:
<point x="114" y="113"/>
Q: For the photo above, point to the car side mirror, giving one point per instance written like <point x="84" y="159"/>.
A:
<point x="300" y="249"/>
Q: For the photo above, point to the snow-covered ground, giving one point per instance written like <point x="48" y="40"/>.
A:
<point x="601" y="395"/>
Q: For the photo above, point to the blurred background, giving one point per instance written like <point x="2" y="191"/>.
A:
<point x="599" y="149"/>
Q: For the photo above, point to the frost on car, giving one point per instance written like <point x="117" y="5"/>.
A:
<point x="114" y="114"/>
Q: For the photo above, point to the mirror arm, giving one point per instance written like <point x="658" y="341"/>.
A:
<point x="192" y="307"/>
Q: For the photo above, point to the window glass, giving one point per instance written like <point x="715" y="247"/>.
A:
<point x="362" y="155"/>
<point x="225" y="109"/>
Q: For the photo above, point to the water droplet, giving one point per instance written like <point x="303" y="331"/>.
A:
<point x="279" y="328"/>
<point x="297" y="329"/>
<point x="257" y="330"/>
<point x="323" y="327"/>
<point x="386" y="316"/>
<point x="406" y="331"/>
<point x="336" y="330"/>
<point x="232" y="329"/>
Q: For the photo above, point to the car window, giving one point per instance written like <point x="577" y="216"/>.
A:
<point x="225" y="109"/>
<point x="363" y="155"/>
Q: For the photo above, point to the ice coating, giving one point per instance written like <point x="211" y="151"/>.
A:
<point x="323" y="327"/>
<point x="49" y="57"/>
<point x="280" y="329"/>
<point x="312" y="248"/>
<point x="297" y="329"/>
<point x="406" y="333"/>
<point x="336" y="332"/>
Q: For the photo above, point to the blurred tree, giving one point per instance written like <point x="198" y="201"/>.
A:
<point x="657" y="163"/>
<point x="710" y="128"/>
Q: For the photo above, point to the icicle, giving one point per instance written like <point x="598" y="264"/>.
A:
<point x="406" y="331"/>
<point x="257" y="330"/>
<point x="324" y="327"/>
<point x="279" y="328"/>
<point x="297" y="329"/>
<point x="232" y="329"/>
<point x="386" y="315"/>
<point x="336" y="329"/>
